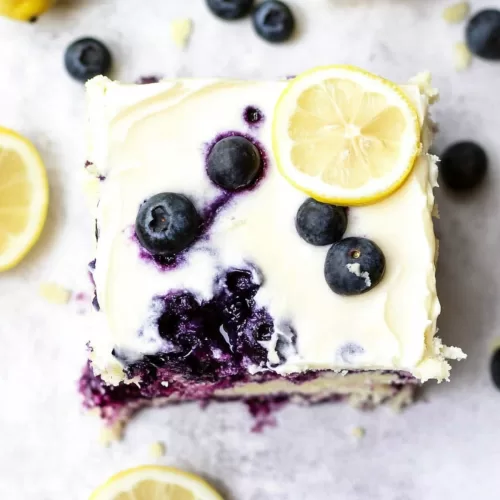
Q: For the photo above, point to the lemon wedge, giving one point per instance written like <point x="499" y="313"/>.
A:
<point x="152" y="482"/>
<point x="24" y="197"/>
<point x="345" y="136"/>
<point x="24" y="10"/>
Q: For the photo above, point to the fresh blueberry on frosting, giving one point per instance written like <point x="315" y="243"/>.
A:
<point x="320" y="224"/>
<point x="483" y="34"/>
<point x="495" y="368"/>
<point x="234" y="163"/>
<point x="463" y="165"/>
<point x="253" y="116"/>
<point x="354" y="266"/>
<point x="273" y="21"/>
<point x="86" y="58"/>
<point x="230" y="9"/>
<point x="167" y="223"/>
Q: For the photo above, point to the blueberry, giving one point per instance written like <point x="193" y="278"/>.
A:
<point x="273" y="20"/>
<point x="320" y="224"/>
<point x="483" y="34"/>
<point x="252" y="115"/>
<point x="230" y="9"/>
<point x="234" y="163"/>
<point x="167" y="223"/>
<point x="495" y="368"/>
<point x="353" y="266"/>
<point x="463" y="165"/>
<point x="86" y="58"/>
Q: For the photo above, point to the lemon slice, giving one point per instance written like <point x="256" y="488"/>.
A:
<point x="151" y="482"/>
<point x="24" y="10"/>
<point x="345" y="136"/>
<point x="24" y="197"/>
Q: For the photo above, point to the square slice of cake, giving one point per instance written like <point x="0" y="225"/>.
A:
<point x="218" y="279"/>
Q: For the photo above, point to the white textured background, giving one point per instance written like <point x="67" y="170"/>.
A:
<point x="445" y="447"/>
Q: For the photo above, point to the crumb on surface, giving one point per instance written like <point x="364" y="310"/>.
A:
<point x="111" y="434"/>
<point x="180" y="31"/>
<point x="457" y="12"/>
<point x="54" y="293"/>
<point x="462" y="56"/>
<point x="157" y="450"/>
<point x="358" y="432"/>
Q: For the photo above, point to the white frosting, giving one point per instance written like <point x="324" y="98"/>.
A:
<point x="151" y="138"/>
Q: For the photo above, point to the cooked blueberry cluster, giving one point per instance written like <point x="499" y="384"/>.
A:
<point x="353" y="265"/>
<point x="207" y="340"/>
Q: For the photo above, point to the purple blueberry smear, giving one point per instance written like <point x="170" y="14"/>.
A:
<point x="495" y="368"/>
<point x="273" y="21"/>
<point x="148" y="80"/>
<point x="167" y="223"/>
<point x="483" y="34"/>
<point x="463" y="165"/>
<point x="320" y="224"/>
<point x="95" y="303"/>
<point x="86" y="58"/>
<point x="354" y="266"/>
<point x="209" y="340"/>
<point x="230" y="9"/>
<point x="234" y="163"/>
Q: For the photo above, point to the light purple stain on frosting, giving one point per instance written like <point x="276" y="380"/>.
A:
<point x="349" y="351"/>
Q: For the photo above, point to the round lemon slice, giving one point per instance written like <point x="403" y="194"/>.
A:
<point x="151" y="482"/>
<point x="345" y="136"/>
<point x="24" y="197"/>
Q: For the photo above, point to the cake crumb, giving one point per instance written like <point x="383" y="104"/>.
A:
<point x="435" y="211"/>
<point x="54" y="293"/>
<point x="180" y="31"/>
<point x="462" y="56"/>
<point x="457" y="12"/>
<point x="111" y="434"/>
<point x="423" y="81"/>
<point x="157" y="450"/>
<point x="358" y="432"/>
